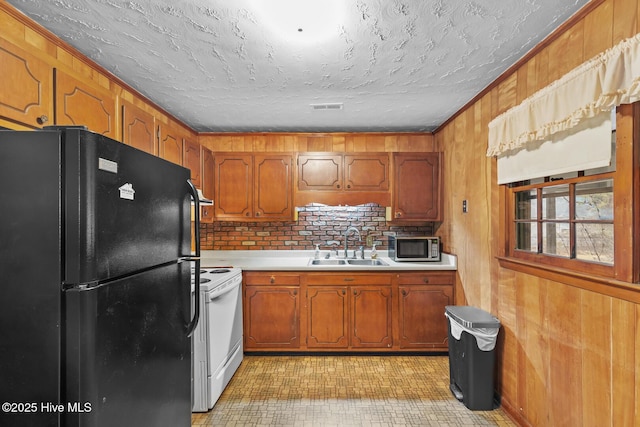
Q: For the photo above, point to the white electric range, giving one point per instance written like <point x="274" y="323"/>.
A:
<point x="217" y="340"/>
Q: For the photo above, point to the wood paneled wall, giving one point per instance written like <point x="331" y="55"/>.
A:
<point x="566" y="356"/>
<point x="321" y="142"/>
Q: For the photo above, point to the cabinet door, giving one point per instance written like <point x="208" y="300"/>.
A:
<point x="233" y="183"/>
<point x="319" y="171"/>
<point x="371" y="316"/>
<point x="138" y="128"/>
<point x="271" y="317"/>
<point x="26" y="87"/>
<point x="82" y="104"/>
<point x="191" y="159"/>
<point x="417" y="187"/>
<point x="422" y="320"/>
<point x="328" y="317"/>
<point x="207" y="183"/>
<point x="364" y="172"/>
<point x="170" y="144"/>
<point x="272" y="187"/>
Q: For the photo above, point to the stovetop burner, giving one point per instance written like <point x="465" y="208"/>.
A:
<point x="204" y="280"/>
<point x="219" y="270"/>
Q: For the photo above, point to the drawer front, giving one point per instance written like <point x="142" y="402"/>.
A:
<point x="439" y="278"/>
<point x="348" y="279"/>
<point x="271" y="279"/>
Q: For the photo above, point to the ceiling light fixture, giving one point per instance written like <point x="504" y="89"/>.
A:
<point x="302" y="21"/>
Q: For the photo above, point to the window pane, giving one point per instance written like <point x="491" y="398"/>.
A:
<point x="526" y="205"/>
<point x="594" y="242"/>
<point x="555" y="202"/>
<point x="594" y="200"/>
<point x="527" y="236"/>
<point x="555" y="239"/>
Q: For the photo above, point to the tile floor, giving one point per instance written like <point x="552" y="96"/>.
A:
<point x="344" y="391"/>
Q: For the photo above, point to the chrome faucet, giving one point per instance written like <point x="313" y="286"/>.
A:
<point x="346" y="234"/>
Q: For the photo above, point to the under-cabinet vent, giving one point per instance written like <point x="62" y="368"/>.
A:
<point x="332" y="106"/>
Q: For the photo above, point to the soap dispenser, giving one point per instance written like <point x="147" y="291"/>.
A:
<point x="317" y="254"/>
<point x="374" y="252"/>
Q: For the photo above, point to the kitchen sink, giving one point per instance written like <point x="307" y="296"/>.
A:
<point x="328" y="262"/>
<point x="347" y="262"/>
<point x="371" y="262"/>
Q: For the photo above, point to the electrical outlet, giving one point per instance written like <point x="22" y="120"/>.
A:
<point x="370" y="240"/>
<point x="464" y="206"/>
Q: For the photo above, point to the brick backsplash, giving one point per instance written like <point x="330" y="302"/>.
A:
<point x="317" y="225"/>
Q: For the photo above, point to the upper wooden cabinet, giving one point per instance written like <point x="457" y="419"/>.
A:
<point x="192" y="159"/>
<point x="272" y="193"/>
<point x="170" y="143"/>
<point x="320" y="171"/>
<point x="252" y="186"/>
<point x="417" y="187"/>
<point x="336" y="178"/>
<point x="208" y="213"/>
<point x="366" y="172"/>
<point x="82" y="104"/>
<point x="26" y="87"/>
<point x="349" y="172"/>
<point x="138" y="128"/>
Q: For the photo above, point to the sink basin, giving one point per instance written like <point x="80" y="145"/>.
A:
<point x="327" y="262"/>
<point x="370" y="262"/>
<point x="347" y="262"/>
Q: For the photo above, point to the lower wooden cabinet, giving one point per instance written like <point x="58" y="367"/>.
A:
<point x="271" y="311"/>
<point x="420" y="328"/>
<point x="333" y="311"/>
<point x="349" y="311"/>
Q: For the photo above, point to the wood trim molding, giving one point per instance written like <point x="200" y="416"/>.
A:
<point x="601" y="285"/>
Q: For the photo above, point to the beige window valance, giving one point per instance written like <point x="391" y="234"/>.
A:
<point x="598" y="85"/>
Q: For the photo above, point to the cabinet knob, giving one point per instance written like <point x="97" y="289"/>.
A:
<point x="344" y="292"/>
<point x="348" y="279"/>
<point x="42" y="119"/>
<point x="338" y="186"/>
<point x="272" y="279"/>
<point x="247" y="214"/>
<point x="398" y="214"/>
<point x="355" y="292"/>
<point x="257" y="213"/>
<point x="349" y="186"/>
<point x="404" y="292"/>
<point x="295" y="292"/>
<point x="425" y="279"/>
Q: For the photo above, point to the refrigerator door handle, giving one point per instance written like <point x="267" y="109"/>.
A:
<point x="196" y="259"/>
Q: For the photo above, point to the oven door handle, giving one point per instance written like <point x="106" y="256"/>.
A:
<point x="225" y="289"/>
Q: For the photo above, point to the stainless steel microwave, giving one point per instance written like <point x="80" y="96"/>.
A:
<point x="414" y="248"/>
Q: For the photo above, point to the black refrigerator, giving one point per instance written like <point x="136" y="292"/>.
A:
<point x="95" y="283"/>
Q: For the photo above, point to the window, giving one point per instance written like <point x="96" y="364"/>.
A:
<point x="581" y="223"/>
<point x="572" y="220"/>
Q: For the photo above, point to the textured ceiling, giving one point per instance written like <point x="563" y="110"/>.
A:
<point x="247" y="65"/>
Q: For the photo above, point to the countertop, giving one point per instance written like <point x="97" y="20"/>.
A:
<point x="254" y="260"/>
